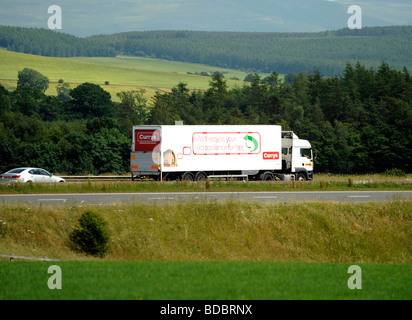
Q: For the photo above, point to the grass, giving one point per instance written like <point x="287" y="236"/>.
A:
<point x="202" y="281"/>
<point x="123" y="73"/>
<point x="220" y="231"/>
<point x="320" y="183"/>
<point x="213" y="250"/>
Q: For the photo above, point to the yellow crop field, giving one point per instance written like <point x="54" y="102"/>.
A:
<point x="122" y="73"/>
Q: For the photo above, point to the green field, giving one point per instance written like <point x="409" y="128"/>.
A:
<point x="143" y="280"/>
<point x="123" y="73"/>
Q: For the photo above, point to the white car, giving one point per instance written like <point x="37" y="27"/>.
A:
<point x="29" y="175"/>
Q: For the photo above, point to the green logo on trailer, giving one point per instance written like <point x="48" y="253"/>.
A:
<point x="255" y="145"/>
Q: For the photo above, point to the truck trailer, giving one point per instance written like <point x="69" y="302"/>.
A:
<point x="198" y="152"/>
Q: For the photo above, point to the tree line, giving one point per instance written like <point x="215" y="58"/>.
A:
<point x="45" y="42"/>
<point x="359" y="122"/>
<point x="258" y="51"/>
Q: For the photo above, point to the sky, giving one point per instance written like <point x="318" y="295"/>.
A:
<point x="91" y="17"/>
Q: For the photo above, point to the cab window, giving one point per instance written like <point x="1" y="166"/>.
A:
<point x="307" y="153"/>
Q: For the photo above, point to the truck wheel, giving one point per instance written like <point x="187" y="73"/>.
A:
<point x="300" y="177"/>
<point x="268" y="176"/>
<point x="200" y="176"/>
<point x="187" y="176"/>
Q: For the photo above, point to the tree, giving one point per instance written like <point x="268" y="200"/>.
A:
<point x="42" y="154"/>
<point x="32" y="78"/>
<point x="215" y="97"/>
<point x="163" y="111"/>
<point x="76" y="147"/>
<point x="5" y="105"/>
<point x="10" y="149"/>
<point x="92" y="236"/>
<point x="110" y="150"/>
<point x="273" y="79"/>
<point x="63" y="91"/>
<point x="90" y="100"/>
<point x="249" y="78"/>
<point x="181" y="100"/>
<point x="133" y="109"/>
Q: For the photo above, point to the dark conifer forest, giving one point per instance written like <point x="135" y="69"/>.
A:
<point x="256" y="51"/>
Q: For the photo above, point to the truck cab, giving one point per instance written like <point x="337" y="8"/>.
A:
<point x="297" y="156"/>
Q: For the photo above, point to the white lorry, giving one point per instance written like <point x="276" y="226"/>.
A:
<point x="196" y="152"/>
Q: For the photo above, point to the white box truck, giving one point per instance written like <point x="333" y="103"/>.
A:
<point x="196" y="152"/>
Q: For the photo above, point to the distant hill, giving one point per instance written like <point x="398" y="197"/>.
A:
<point x="327" y="51"/>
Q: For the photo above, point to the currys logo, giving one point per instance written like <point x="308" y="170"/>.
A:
<point x="270" y="155"/>
<point x="148" y="137"/>
<point x="251" y="143"/>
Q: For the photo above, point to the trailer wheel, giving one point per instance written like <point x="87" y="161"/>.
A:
<point x="200" y="176"/>
<point x="268" y="176"/>
<point x="187" y="176"/>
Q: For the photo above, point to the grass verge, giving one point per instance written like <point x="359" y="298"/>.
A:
<point x="220" y="231"/>
<point x="319" y="184"/>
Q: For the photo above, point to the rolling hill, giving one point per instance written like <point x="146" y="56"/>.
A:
<point x="249" y="51"/>
<point x="123" y="73"/>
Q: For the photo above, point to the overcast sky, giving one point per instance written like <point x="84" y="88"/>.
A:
<point x="89" y="17"/>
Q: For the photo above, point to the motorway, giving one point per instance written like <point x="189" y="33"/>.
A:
<point x="168" y="197"/>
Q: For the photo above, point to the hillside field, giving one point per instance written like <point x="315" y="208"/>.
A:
<point x="123" y="73"/>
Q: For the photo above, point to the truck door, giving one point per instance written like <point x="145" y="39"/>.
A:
<point x="306" y="156"/>
<point x="145" y="155"/>
<point x="302" y="159"/>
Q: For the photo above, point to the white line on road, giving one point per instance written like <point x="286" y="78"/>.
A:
<point x="359" y="196"/>
<point x="265" y="197"/>
<point x="64" y="200"/>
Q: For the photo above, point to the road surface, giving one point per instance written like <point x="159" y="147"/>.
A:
<point x="110" y="198"/>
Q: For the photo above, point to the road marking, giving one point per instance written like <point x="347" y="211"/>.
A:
<point x="162" y="198"/>
<point x="265" y="197"/>
<point x="359" y="196"/>
<point x="64" y="200"/>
